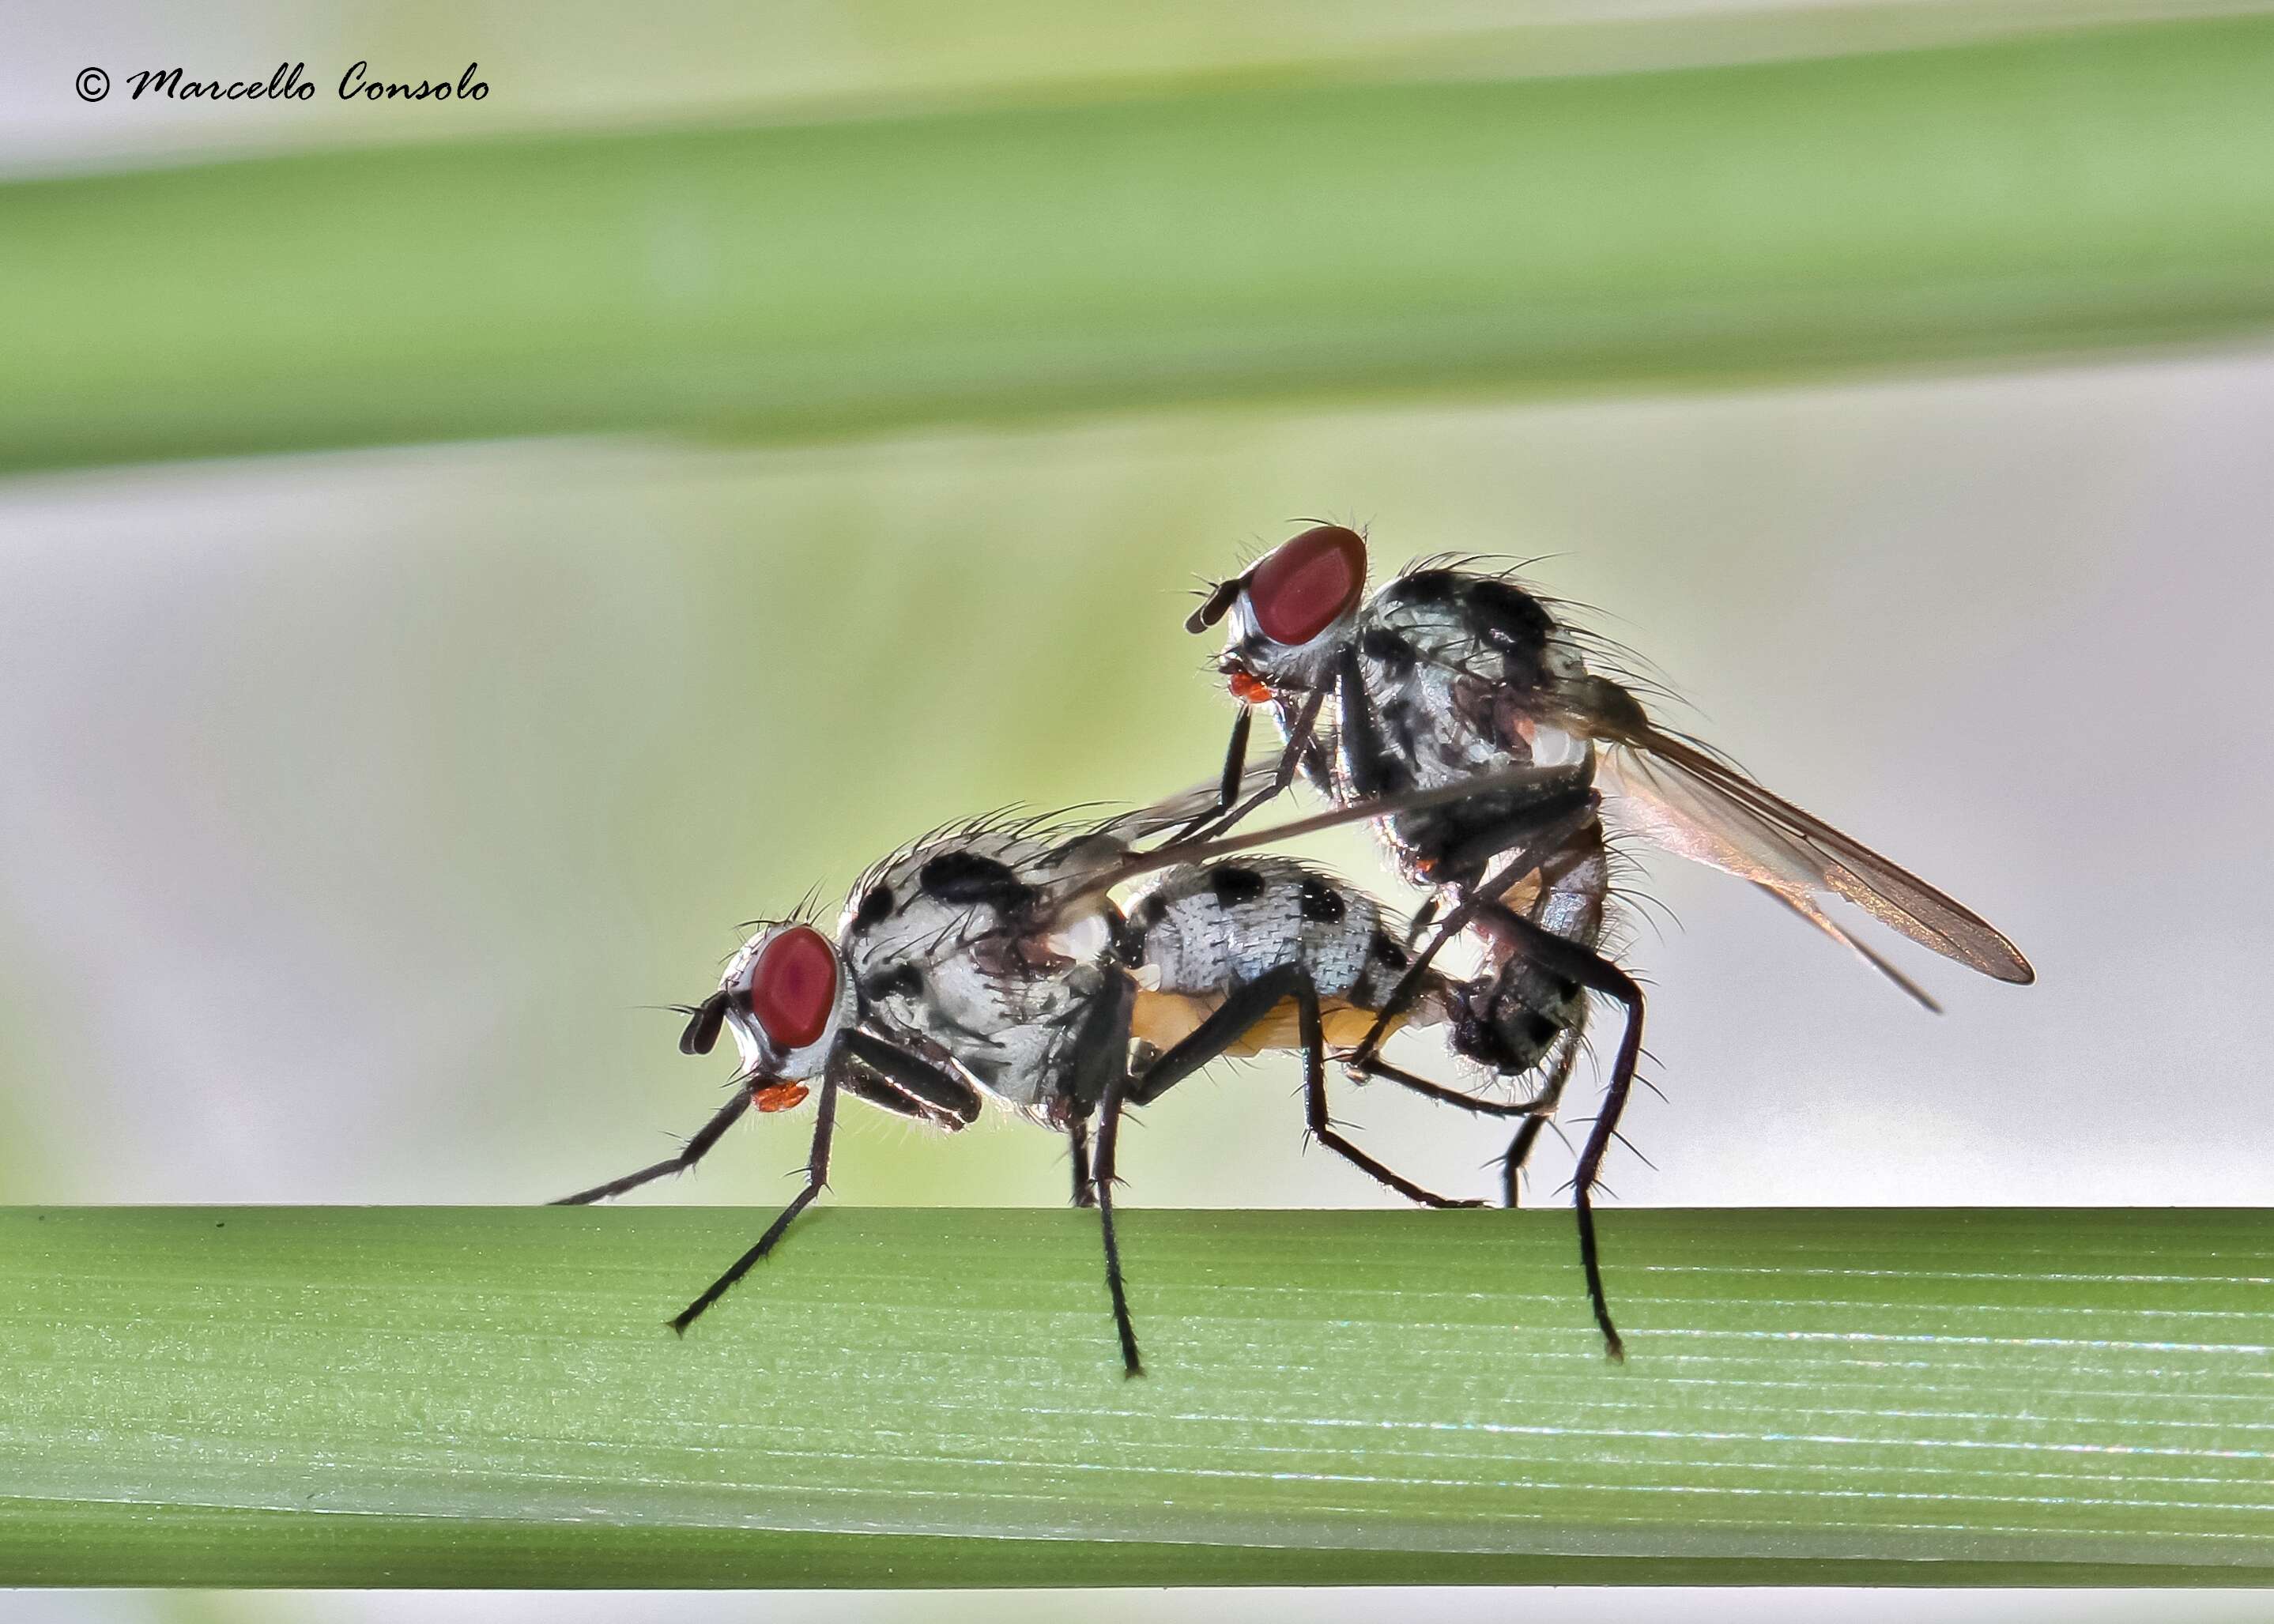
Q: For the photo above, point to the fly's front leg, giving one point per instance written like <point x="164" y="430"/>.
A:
<point x="1229" y="809"/>
<point x="1591" y="970"/>
<point x="1085" y="1187"/>
<point x="919" y="1079"/>
<point x="1235" y="769"/>
<point x="1422" y="915"/>
<point x="704" y="1138"/>
<point x="816" y="1176"/>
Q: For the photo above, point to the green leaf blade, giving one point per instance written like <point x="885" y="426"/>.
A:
<point x="2088" y="190"/>
<point x="1811" y="1396"/>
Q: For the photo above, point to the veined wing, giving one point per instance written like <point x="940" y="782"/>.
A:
<point x="1680" y="797"/>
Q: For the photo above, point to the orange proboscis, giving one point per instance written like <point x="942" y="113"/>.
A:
<point x="780" y="1096"/>
<point x="1249" y="690"/>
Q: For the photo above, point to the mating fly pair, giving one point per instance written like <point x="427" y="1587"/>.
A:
<point x="1483" y="737"/>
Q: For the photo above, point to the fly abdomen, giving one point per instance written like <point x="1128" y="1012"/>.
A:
<point x="1209" y="927"/>
<point x="1507" y="1022"/>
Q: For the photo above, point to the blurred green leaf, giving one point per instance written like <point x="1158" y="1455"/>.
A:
<point x="2095" y="188"/>
<point x="912" y="1397"/>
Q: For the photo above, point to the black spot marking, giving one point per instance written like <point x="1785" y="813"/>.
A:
<point x="1234" y="885"/>
<point x="1428" y="586"/>
<point x="967" y="879"/>
<point x="1395" y="655"/>
<point x="1384" y="951"/>
<point x="1398" y="729"/>
<point x="1152" y="910"/>
<point x="1509" y="618"/>
<point x="1541" y="1030"/>
<point x="875" y="907"/>
<point x="906" y="981"/>
<point x="1322" y="902"/>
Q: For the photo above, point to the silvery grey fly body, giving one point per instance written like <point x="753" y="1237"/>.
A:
<point x="1449" y="673"/>
<point x="988" y="960"/>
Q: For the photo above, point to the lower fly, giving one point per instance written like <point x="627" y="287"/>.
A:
<point x="987" y="961"/>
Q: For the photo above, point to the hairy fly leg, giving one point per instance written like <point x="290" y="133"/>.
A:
<point x="1541" y="1110"/>
<point x="1314" y="1103"/>
<point x="933" y="1086"/>
<point x="816" y="1177"/>
<point x="1085" y="1190"/>
<point x="1476" y="1104"/>
<point x="708" y="1135"/>
<point x="1229" y="809"/>
<point x="1591" y="970"/>
<point x="1224" y="1026"/>
<point x="1116" y="1287"/>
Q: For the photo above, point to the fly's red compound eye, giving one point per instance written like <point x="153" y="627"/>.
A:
<point x="1308" y="584"/>
<point x="793" y="987"/>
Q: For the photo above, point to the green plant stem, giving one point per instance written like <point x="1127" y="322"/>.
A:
<point x="2108" y="187"/>
<point x="912" y="1397"/>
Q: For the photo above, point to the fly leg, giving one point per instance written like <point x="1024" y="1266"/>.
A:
<point x="1243" y="1009"/>
<point x="1591" y="970"/>
<point x="1315" y="1102"/>
<point x="1109" y="1133"/>
<point x="1251" y="1002"/>
<point x="1443" y="1096"/>
<point x="1085" y="1191"/>
<point x="816" y="1175"/>
<point x="1539" y="1108"/>
<point x="704" y="1138"/>
<point x="1229" y="808"/>
<point x="1534" y="834"/>
<point x="1244" y="1006"/>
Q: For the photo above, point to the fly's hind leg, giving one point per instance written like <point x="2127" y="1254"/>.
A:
<point x="1322" y="1125"/>
<point x="1475" y="1104"/>
<point x="1560" y="957"/>
<point x="1538" y="1110"/>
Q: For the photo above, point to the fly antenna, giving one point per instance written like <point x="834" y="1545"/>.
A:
<point x="1217" y="604"/>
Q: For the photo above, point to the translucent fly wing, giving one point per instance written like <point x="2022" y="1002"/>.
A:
<point x="1804" y="905"/>
<point x="1679" y="797"/>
